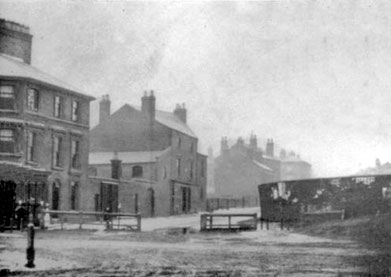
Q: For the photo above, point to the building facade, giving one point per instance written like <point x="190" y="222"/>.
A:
<point x="156" y="150"/>
<point x="44" y="127"/>
<point x="242" y="167"/>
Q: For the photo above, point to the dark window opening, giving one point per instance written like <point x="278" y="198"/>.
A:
<point x="31" y="146"/>
<point x="74" y="195"/>
<point x="7" y="97"/>
<point x="137" y="171"/>
<point x="7" y="141"/>
<point x="57" y="106"/>
<point x="75" y="155"/>
<point x="57" y="146"/>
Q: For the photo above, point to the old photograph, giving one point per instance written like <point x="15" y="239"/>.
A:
<point x="195" y="138"/>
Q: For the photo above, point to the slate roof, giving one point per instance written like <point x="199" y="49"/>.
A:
<point x="170" y="120"/>
<point x="96" y="158"/>
<point x="11" y="67"/>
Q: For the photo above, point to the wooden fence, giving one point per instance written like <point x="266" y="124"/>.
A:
<point x="112" y="221"/>
<point x="209" y="224"/>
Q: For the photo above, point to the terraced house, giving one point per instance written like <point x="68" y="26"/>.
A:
<point x="44" y="127"/>
<point x="146" y="160"/>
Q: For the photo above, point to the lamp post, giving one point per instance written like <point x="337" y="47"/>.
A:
<point x="30" y="251"/>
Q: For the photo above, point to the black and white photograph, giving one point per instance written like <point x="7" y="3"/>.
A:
<point x="195" y="138"/>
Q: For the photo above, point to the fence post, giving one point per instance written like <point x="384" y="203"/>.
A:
<point x="255" y="221"/>
<point x="138" y="222"/>
<point x="62" y="222"/>
<point x="80" y="219"/>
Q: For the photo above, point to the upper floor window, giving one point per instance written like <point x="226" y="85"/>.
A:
<point x="203" y="167"/>
<point x="31" y="148"/>
<point x="32" y="99"/>
<point x="7" y="141"/>
<point x="75" y="110"/>
<point x="191" y="170"/>
<point x="164" y="172"/>
<point x="57" y="106"/>
<point x="57" y="147"/>
<point x="179" y="143"/>
<point x="178" y="166"/>
<point x="191" y="147"/>
<point x="137" y="171"/>
<point x="75" y="145"/>
<point x="7" y="97"/>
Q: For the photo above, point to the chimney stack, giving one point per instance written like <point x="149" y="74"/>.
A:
<point x="224" y="146"/>
<point x="180" y="111"/>
<point x="104" y="108"/>
<point x="116" y="167"/>
<point x="253" y="142"/>
<point x="270" y="148"/>
<point x="15" y="40"/>
<point x="148" y="104"/>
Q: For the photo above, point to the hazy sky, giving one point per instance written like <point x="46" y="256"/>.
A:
<point x="313" y="75"/>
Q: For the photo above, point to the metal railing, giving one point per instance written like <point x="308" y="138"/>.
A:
<point x="209" y="224"/>
<point x="112" y="221"/>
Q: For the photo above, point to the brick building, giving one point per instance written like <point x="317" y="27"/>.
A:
<point x="242" y="167"/>
<point x="44" y="126"/>
<point x="154" y="157"/>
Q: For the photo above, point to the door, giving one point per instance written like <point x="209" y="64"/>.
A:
<point x="152" y="202"/>
<point x="56" y="195"/>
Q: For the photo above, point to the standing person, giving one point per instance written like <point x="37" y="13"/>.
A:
<point x="20" y="214"/>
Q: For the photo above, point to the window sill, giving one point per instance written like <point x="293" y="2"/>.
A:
<point x="76" y="171"/>
<point x="32" y="163"/>
<point x="57" y="168"/>
<point x="5" y="154"/>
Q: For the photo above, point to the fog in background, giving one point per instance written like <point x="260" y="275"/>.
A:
<point x="313" y="75"/>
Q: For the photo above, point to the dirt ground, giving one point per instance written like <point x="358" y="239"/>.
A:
<point x="169" y="252"/>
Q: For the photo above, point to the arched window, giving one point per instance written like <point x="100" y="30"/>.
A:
<point x="137" y="171"/>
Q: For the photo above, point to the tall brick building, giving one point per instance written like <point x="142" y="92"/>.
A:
<point x="154" y="152"/>
<point x="44" y="126"/>
<point x="242" y="167"/>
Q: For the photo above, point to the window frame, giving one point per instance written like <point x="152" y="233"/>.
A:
<point x="75" y="154"/>
<point x="31" y="146"/>
<point x="57" y="155"/>
<point x="57" y="107"/>
<point x="75" y="112"/>
<point x="137" y="171"/>
<point x="34" y="105"/>
<point x="10" y="139"/>
<point x="10" y="104"/>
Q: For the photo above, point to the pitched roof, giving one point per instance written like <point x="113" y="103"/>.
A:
<point x="171" y="121"/>
<point x="96" y="158"/>
<point x="11" y="67"/>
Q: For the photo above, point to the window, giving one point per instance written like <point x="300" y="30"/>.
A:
<point x="191" y="170"/>
<point x="57" y="145"/>
<point x="7" y="141"/>
<point x="75" y="158"/>
<point x="75" y="110"/>
<point x="137" y="171"/>
<point x="32" y="99"/>
<point x="179" y="142"/>
<point x="191" y="147"/>
<point x="57" y="106"/>
<point x="31" y="141"/>
<point x="178" y="166"/>
<point x="74" y="195"/>
<point x="164" y="172"/>
<point x="7" y="97"/>
<point x="203" y="168"/>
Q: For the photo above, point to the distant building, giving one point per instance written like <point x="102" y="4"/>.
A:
<point x="242" y="167"/>
<point x="156" y="152"/>
<point x="378" y="169"/>
<point x="44" y="127"/>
